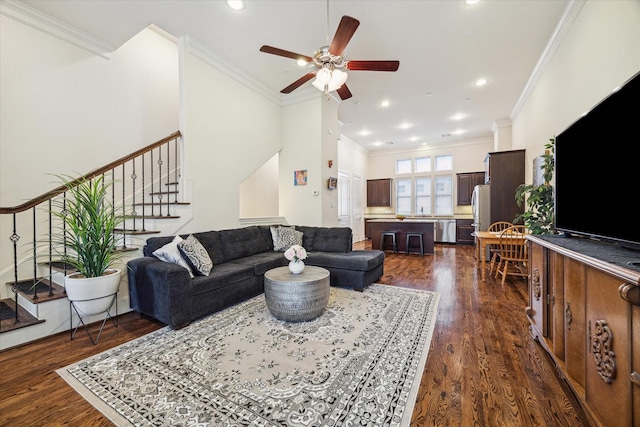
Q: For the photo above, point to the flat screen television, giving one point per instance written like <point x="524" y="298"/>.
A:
<point x="597" y="173"/>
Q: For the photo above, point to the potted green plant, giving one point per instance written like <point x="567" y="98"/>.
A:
<point x="538" y="217"/>
<point x="86" y="240"/>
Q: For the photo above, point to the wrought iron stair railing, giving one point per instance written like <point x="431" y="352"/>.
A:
<point x="145" y="187"/>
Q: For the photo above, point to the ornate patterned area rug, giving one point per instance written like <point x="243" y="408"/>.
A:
<point x="359" y="363"/>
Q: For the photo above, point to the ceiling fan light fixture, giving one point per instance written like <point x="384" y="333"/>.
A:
<point x="328" y="81"/>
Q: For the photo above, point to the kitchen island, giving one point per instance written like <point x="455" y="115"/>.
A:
<point x="424" y="225"/>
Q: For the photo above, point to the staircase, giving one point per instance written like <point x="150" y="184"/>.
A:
<point x="147" y="191"/>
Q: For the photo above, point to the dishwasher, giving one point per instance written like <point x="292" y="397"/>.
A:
<point x="445" y="231"/>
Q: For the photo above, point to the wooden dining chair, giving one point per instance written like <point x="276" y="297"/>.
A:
<point x="494" y="250"/>
<point x="513" y="252"/>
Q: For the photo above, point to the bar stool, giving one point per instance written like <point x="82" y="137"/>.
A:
<point x="420" y="236"/>
<point x="394" y="240"/>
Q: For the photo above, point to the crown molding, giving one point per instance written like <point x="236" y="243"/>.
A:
<point x="344" y="140"/>
<point x="566" y="21"/>
<point x="33" y="18"/>
<point x="429" y="147"/>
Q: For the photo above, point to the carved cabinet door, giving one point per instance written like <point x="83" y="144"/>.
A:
<point x="608" y="388"/>
<point x="574" y="319"/>
<point x="538" y="290"/>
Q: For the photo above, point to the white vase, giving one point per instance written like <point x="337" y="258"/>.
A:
<point x="296" y="267"/>
<point x="92" y="295"/>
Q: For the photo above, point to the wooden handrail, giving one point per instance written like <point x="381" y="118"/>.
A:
<point x="59" y="190"/>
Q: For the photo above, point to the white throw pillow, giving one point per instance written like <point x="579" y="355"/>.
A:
<point x="171" y="253"/>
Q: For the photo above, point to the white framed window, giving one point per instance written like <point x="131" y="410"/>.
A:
<point x="427" y="190"/>
<point x="403" y="166"/>
<point x="423" y="164"/>
<point x="403" y="196"/>
<point x="423" y="196"/>
<point x="444" y="163"/>
<point x="444" y="195"/>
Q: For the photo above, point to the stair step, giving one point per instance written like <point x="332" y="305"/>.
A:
<point x="134" y="232"/>
<point x="60" y="266"/>
<point x="164" y="193"/>
<point x="26" y="289"/>
<point x="130" y="217"/>
<point x="8" y="316"/>
<point x="126" y="249"/>
<point x="162" y="204"/>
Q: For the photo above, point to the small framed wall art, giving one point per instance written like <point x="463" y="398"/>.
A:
<point x="332" y="183"/>
<point x="300" y="177"/>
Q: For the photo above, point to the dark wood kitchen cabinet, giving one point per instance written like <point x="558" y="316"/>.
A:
<point x="379" y="192"/>
<point x="465" y="183"/>
<point x="504" y="172"/>
<point x="464" y="232"/>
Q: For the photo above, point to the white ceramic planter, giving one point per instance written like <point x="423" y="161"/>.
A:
<point x="92" y="295"/>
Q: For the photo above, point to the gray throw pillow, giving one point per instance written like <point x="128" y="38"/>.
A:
<point x="196" y="255"/>
<point x="287" y="237"/>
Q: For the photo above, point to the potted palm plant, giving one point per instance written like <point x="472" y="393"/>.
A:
<point x="538" y="217"/>
<point x="86" y="240"/>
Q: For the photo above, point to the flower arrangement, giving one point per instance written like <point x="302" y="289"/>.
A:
<point x="295" y="253"/>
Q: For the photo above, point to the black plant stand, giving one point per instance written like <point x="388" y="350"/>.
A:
<point x="72" y="308"/>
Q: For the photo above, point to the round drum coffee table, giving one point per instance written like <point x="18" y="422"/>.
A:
<point x="296" y="297"/>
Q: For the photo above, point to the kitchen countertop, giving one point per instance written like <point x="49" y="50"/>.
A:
<point x="427" y="220"/>
<point x="418" y="218"/>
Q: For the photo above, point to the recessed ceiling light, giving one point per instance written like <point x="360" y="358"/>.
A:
<point x="384" y="103"/>
<point x="377" y="143"/>
<point x="364" y="132"/>
<point x="458" y="132"/>
<point x="470" y="2"/>
<point x="458" y="116"/>
<point x="235" y="4"/>
<point x="481" y="82"/>
<point x="405" y="125"/>
<point x="413" y="139"/>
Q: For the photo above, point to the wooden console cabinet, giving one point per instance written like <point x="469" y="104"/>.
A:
<point x="584" y="309"/>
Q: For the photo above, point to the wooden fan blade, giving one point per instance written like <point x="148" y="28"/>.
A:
<point x="344" y="92"/>
<point x="343" y="34"/>
<point x="373" y="65"/>
<point x="275" y="51"/>
<point x="295" y="85"/>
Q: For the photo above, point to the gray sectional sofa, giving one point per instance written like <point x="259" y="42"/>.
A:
<point x="167" y="292"/>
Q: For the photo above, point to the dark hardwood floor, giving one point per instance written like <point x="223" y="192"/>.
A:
<point x="483" y="368"/>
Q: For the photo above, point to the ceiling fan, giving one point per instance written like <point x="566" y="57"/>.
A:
<point x="330" y="63"/>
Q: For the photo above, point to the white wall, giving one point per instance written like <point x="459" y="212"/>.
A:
<point x="259" y="192"/>
<point x="65" y="110"/>
<point x="302" y="150"/>
<point x="230" y="132"/>
<point x="600" y="51"/>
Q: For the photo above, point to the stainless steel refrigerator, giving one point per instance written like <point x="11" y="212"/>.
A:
<point x="481" y="207"/>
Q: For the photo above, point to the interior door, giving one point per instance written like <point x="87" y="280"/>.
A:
<point x="344" y="205"/>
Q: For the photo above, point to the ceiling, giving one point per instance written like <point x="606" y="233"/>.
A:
<point x="443" y="47"/>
